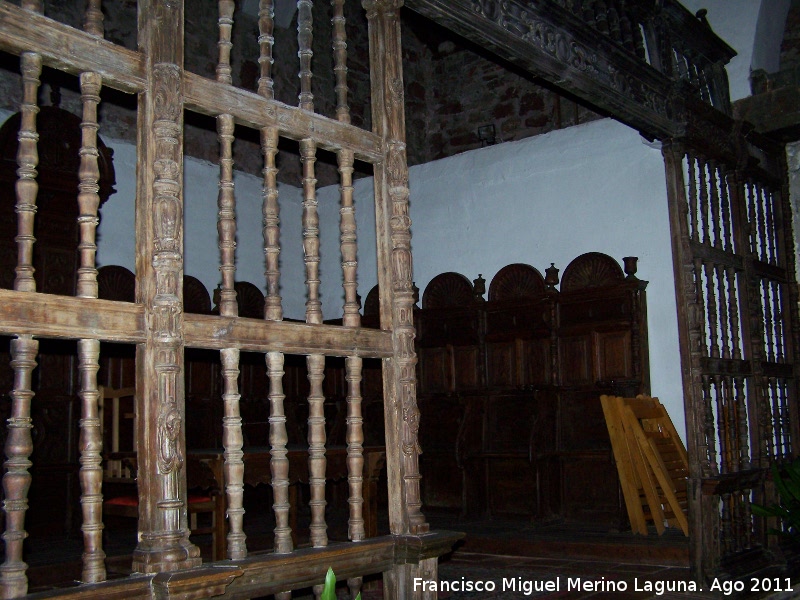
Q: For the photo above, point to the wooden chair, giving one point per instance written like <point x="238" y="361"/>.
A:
<point x="120" y="469"/>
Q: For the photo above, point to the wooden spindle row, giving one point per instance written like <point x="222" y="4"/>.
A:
<point x="710" y="217"/>
<point x="726" y="424"/>
<point x="764" y="225"/>
<point x="717" y="293"/>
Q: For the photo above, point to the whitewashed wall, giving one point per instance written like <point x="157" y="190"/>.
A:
<point x="598" y="187"/>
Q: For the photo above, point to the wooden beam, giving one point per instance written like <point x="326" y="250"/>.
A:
<point x="265" y="574"/>
<point x="70" y="50"/>
<point x="51" y="316"/>
<point x="204" y="331"/>
<point x="213" y="98"/>
<point x="548" y="42"/>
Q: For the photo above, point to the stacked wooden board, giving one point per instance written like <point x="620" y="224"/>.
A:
<point x="651" y="461"/>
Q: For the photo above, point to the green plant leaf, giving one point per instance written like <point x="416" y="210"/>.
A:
<point x="329" y="591"/>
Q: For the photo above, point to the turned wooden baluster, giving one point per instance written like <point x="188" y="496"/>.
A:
<point x="777" y="417"/>
<point x="714" y="203"/>
<point x="693" y="208"/>
<point x="704" y="222"/>
<point x="733" y="303"/>
<point x="355" y="444"/>
<point x="17" y="477"/>
<point x="752" y="219"/>
<point x="273" y="311"/>
<point x="91" y="438"/>
<point x="725" y="207"/>
<point x="279" y="463"/>
<point x="777" y="298"/>
<point x="769" y="325"/>
<point x="722" y="434"/>
<point x="724" y="322"/>
<point x="232" y="441"/>
<point x="316" y="363"/>
<point x="351" y="316"/>
<point x="304" y="39"/>
<point x="731" y="424"/>
<point x="232" y="438"/>
<point x="763" y="253"/>
<point x="708" y="445"/>
<point x="769" y="226"/>
<point x="19" y="442"/>
<point x="711" y="310"/>
<point x="27" y="159"/>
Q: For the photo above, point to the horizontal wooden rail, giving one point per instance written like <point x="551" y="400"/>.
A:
<point x="70" y="50"/>
<point x="52" y="316"/>
<point x="206" y="331"/>
<point x="213" y="98"/>
<point x="268" y="573"/>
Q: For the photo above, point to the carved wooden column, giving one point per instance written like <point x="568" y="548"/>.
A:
<point x="703" y="509"/>
<point x="397" y="291"/>
<point x="163" y="530"/>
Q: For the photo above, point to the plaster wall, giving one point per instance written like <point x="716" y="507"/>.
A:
<point x="597" y="187"/>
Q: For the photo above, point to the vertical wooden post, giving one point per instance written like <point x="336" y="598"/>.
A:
<point x="396" y="291"/>
<point x="703" y="510"/>
<point x="163" y="529"/>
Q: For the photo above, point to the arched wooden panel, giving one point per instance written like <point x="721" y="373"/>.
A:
<point x="116" y="283"/>
<point x="516" y="281"/>
<point x="591" y="270"/>
<point x="195" y="296"/>
<point x="448" y="290"/>
<point x="250" y="299"/>
<point x="372" y="305"/>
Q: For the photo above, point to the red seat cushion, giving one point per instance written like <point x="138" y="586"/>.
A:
<point x="123" y="501"/>
<point x="193" y="499"/>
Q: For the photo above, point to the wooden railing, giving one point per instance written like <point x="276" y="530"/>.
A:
<point x="157" y="324"/>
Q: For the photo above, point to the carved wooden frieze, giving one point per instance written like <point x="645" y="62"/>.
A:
<point x="549" y="41"/>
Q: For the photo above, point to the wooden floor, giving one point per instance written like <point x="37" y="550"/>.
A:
<point x="566" y="539"/>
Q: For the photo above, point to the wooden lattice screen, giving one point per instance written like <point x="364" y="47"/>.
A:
<point x="737" y="297"/>
<point x="161" y="330"/>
